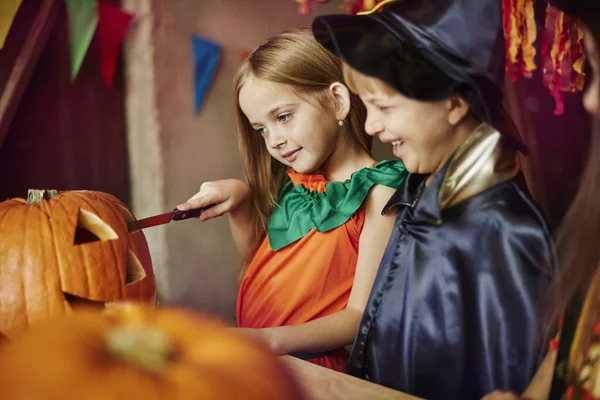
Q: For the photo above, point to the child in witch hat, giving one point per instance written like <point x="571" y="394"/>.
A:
<point x="453" y="311"/>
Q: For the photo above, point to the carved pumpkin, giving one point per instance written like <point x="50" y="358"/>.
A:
<point x="135" y="352"/>
<point x="61" y="249"/>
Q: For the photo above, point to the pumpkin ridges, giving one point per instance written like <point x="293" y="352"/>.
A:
<point x="48" y="283"/>
<point x="10" y="275"/>
<point x="19" y="272"/>
<point x="12" y="203"/>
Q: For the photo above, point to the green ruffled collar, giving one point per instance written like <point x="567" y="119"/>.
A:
<point x="305" y="206"/>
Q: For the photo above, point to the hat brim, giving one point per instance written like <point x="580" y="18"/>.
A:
<point x="366" y="44"/>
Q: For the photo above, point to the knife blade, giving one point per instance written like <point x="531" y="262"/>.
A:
<point x="161" y="219"/>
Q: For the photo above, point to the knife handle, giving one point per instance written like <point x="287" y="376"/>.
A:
<point x="179" y="215"/>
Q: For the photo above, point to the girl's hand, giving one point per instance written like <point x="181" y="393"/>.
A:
<point x="223" y="196"/>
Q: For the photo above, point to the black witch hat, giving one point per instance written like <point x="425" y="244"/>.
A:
<point x="428" y="50"/>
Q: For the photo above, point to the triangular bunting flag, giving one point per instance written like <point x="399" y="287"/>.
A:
<point x="82" y="16"/>
<point x="206" y="59"/>
<point x="8" y="10"/>
<point x="305" y="6"/>
<point x="112" y="26"/>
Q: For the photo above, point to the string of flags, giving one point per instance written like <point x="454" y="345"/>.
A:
<point x="561" y="57"/>
<point x="84" y="19"/>
<point x="87" y="18"/>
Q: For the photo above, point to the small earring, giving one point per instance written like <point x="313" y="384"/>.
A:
<point x="341" y="123"/>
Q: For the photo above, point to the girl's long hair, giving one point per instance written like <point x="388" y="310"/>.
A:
<point x="578" y="239"/>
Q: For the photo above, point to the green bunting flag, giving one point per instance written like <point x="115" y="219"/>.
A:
<point x="82" y="17"/>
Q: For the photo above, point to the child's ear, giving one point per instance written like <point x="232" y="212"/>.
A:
<point x="341" y="97"/>
<point x="458" y="109"/>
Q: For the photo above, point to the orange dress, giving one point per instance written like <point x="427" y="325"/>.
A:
<point x="311" y="277"/>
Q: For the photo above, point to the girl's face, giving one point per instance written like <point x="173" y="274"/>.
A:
<point x="591" y="97"/>
<point x="298" y="133"/>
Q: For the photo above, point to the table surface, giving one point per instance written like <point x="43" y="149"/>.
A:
<point x="322" y="383"/>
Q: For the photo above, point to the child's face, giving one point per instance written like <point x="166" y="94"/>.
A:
<point x="419" y="132"/>
<point x="297" y="133"/>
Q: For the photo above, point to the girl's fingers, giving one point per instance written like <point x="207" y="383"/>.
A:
<point x="214" y="211"/>
<point x="199" y="201"/>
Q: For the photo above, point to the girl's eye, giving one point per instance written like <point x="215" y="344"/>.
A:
<point x="284" y="117"/>
<point x="260" y="131"/>
<point x="382" y="109"/>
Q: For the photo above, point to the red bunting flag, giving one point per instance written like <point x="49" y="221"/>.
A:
<point x="245" y="55"/>
<point x="112" y="27"/>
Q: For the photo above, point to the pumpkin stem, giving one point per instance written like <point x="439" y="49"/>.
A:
<point x="143" y="347"/>
<point x="34" y="196"/>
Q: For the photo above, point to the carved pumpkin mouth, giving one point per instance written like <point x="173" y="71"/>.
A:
<point x="76" y="301"/>
<point x="135" y="273"/>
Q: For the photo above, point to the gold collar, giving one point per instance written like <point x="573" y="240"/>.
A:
<point x="481" y="162"/>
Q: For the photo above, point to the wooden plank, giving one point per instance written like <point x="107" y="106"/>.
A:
<point x="25" y="63"/>
<point x="325" y="384"/>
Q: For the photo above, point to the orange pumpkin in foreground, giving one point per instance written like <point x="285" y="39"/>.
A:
<point x="134" y="352"/>
<point x="62" y="249"/>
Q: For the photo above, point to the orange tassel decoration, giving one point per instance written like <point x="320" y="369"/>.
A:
<point x="518" y="18"/>
<point x="356" y="6"/>
<point x="529" y="35"/>
<point x="305" y="6"/>
<point x="562" y="56"/>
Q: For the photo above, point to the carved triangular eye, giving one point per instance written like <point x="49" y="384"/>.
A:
<point x="135" y="271"/>
<point x="128" y="217"/>
<point x="91" y="228"/>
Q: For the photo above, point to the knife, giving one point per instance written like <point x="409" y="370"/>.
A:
<point x="160" y="219"/>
